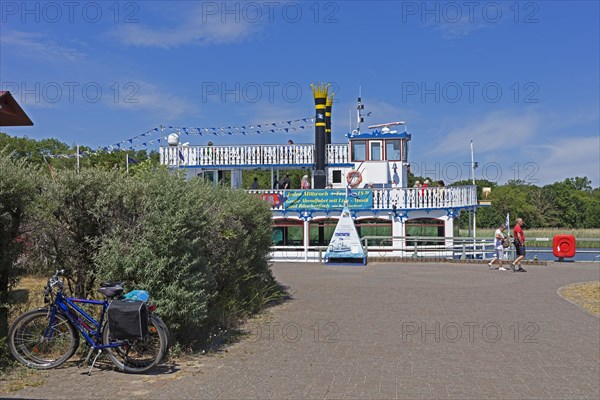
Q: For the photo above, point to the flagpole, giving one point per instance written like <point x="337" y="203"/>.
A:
<point x="347" y="190"/>
<point x="77" y="159"/>
<point x="475" y="210"/>
<point x="127" y="162"/>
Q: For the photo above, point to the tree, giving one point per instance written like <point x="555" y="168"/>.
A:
<point x="32" y="150"/>
<point x="568" y="205"/>
<point x="18" y="192"/>
<point x="541" y="200"/>
<point x="592" y="210"/>
<point x="578" y="183"/>
<point x="59" y="155"/>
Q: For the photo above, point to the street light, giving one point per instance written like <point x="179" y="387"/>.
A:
<point x="473" y="166"/>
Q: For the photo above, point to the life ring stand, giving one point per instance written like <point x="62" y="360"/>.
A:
<point x="354" y="178"/>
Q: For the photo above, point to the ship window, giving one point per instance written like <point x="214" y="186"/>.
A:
<point x="375" y="150"/>
<point x="378" y="230"/>
<point x="288" y="233"/>
<point x="321" y="231"/>
<point x="392" y="150"/>
<point x="359" y="150"/>
<point x="424" y="227"/>
<point x="337" y="176"/>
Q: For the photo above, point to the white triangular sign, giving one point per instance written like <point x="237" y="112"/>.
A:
<point x="345" y="245"/>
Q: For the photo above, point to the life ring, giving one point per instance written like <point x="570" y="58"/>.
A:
<point x="354" y="178"/>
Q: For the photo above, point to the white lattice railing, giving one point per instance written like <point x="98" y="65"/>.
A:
<point x="410" y="198"/>
<point x="205" y="156"/>
<point x="338" y="154"/>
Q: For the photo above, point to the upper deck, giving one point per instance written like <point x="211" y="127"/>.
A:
<point x="288" y="156"/>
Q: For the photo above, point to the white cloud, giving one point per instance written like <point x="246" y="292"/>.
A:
<point x="567" y="157"/>
<point x="147" y="97"/>
<point x="459" y="28"/>
<point x="382" y="112"/>
<point x="36" y="44"/>
<point x="497" y="131"/>
<point x="193" y="27"/>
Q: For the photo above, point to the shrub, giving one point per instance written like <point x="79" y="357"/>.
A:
<point x="18" y="193"/>
<point x="201" y="251"/>
<point x="76" y="211"/>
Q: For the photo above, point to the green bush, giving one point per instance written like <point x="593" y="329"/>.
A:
<point x="241" y="271"/>
<point x="18" y="193"/>
<point x="201" y="251"/>
<point x="75" y="212"/>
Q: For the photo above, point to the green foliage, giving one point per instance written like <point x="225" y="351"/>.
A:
<point x="571" y="203"/>
<point x="75" y="212"/>
<point x="19" y="188"/>
<point x="201" y="251"/>
<point x="44" y="152"/>
<point x="32" y="150"/>
<point x="6" y="360"/>
<point x="264" y="178"/>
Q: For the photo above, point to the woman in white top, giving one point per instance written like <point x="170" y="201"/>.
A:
<point x="305" y="184"/>
<point x="498" y="237"/>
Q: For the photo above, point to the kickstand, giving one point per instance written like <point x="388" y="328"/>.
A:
<point x="86" y="358"/>
<point x="94" y="362"/>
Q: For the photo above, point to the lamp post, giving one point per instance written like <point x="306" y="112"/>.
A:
<point x="475" y="209"/>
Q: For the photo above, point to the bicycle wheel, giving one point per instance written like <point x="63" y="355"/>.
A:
<point x="167" y="345"/>
<point x="137" y="356"/>
<point x="38" y="344"/>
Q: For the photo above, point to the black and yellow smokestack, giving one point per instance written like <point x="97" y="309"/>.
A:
<point x="328" y="105"/>
<point x="320" y="95"/>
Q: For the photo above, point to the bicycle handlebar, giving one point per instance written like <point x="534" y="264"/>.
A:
<point x="55" y="281"/>
<point x="62" y="272"/>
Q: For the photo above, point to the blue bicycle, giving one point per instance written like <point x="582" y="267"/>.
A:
<point x="47" y="337"/>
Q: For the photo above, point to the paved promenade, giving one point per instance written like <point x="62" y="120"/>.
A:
<point x="387" y="331"/>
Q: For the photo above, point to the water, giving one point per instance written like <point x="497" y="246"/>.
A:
<point x="545" y="254"/>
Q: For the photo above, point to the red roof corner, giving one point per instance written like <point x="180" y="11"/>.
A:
<point x="11" y="113"/>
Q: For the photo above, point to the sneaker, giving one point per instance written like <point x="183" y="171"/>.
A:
<point x="521" y="270"/>
<point x="490" y="265"/>
<point x="502" y="269"/>
<point x="512" y="266"/>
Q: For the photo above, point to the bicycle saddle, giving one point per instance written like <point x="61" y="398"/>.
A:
<point x="111" y="289"/>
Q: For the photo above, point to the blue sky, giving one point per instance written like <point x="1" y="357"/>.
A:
<point x="520" y="79"/>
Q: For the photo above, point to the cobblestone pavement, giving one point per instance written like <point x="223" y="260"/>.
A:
<point x="388" y="331"/>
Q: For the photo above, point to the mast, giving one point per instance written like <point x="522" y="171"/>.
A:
<point x="359" y="108"/>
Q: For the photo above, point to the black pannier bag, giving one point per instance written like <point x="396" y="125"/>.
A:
<point x="127" y="319"/>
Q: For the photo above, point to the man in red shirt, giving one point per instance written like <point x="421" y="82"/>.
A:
<point x="519" y="241"/>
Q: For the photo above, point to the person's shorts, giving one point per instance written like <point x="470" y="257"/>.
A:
<point x="520" y="250"/>
<point x="500" y="253"/>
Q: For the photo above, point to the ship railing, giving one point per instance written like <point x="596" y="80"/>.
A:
<point x="402" y="198"/>
<point x="249" y="155"/>
<point x="465" y="248"/>
<point x="417" y="248"/>
<point x="426" y="248"/>
<point x="430" y="247"/>
<point x="338" y="154"/>
<point x="207" y="156"/>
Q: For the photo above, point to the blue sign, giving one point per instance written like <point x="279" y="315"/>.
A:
<point x="331" y="199"/>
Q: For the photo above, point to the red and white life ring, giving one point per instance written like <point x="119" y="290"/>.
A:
<point x="354" y="178"/>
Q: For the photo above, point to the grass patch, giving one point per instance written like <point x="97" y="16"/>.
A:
<point x="21" y="377"/>
<point x="27" y="295"/>
<point x="586" y="295"/>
